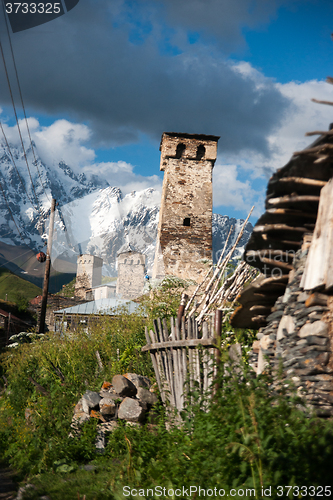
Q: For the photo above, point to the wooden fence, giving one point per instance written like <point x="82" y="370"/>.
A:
<point x="178" y="362"/>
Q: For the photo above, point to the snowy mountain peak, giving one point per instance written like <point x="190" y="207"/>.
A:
<point x="92" y="216"/>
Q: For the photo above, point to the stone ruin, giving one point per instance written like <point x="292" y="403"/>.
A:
<point x="291" y="302"/>
<point x="129" y="398"/>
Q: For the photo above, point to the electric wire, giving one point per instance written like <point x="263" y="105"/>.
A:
<point x="21" y="97"/>
<point x="17" y="122"/>
<point x="11" y="273"/>
<point x="11" y="213"/>
<point x="14" y="164"/>
<point x="18" y="257"/>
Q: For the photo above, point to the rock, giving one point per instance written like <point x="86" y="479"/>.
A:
<point x="274" y="316"/>
<point x="24" y="489"/>
<point x="102" y="431"/>
<point x="146" y="396"/>
<point x="123" y="386"/>
<point x="262" y="362"/>
<point x="92" y="398"/>
<point x="81" y="413"/>
<point x="106" y="386"/>
<point x="286" y="325"/>
<point x="131" y="410"/>
<point x="265" y="342"/>
<point x="314" y="340"/>
<point x="318" y="328"/>
<point x="138" y="380"/>
<point x="107" y="407"/>
<point x="302" y="297"/>
<point x="256" y="346"/>
<point x="111" y="395"/>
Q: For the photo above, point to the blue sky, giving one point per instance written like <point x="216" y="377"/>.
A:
<point x="103" y="82"/>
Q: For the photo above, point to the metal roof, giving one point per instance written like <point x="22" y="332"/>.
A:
<point x="100" y="306"/>
<point x="110" y="284"/>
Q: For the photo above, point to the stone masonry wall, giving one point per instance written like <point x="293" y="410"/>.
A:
<point x="88" y="275"/>
<point x="131" y="273"/>
<point x="298" y="342"/>
<point x="185" y="224"/>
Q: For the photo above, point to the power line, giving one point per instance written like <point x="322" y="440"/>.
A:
<point x="13" y="161"/>
<point x="18" y="257"/>
<point x="11" y="273"/>
<point x="21" y="96"/>
<point x="16" y="118"/>
<point x="11" y="213"/>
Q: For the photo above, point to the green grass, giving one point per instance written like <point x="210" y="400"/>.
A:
<point x="14" y="286"/>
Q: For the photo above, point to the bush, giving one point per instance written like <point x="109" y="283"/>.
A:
<point x="37" y="408"/>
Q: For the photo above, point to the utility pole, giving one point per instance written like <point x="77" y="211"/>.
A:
<point x="47" y="270"/>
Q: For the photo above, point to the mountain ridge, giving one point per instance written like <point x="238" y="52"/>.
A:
<point x="92" y="216"/>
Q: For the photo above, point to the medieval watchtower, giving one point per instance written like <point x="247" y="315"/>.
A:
<point x="131" y="272"/>
<point x="88" y="274"/>
<point x="184" y="237"/>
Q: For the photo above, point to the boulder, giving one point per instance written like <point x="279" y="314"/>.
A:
<point x="123" y="386"/>
<point x="146" y="396"/>
<point x="138" y="380"/>
<point x="107" y="407"/>
<point x="92" y="398"/>
<point x="131" y="410"/>
<point x="81" y="413"/>
<point x="318" y="328"/>
<point x="102" y="430"/>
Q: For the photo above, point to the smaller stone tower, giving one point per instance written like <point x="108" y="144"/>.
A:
<point x="88" y="274"/>
<point x="131" y="272"/>
<point x="184" y="238"/>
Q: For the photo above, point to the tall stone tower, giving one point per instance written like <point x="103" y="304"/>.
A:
<point x="184" y="237"/>
<point x="131" y="272"/>
<point x="88" y="274"/>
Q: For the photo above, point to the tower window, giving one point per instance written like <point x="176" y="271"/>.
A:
<point x="201" y="152"/>
<point x="180" y="150"/>
<point x="187" y="221"/>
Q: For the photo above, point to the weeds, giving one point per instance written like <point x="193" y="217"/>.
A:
<point x="245" y="436"/>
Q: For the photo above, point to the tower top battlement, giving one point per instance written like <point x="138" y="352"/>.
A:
<point x="195" y="147"/>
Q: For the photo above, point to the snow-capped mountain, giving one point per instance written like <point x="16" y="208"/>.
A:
<point x="92" y="217"/>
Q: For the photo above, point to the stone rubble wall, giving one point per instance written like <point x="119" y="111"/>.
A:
<point x="128" y="398"/>
<point x="297" y="343"/>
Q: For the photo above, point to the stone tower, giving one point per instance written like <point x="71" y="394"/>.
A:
<point x="88" y="274"/>
<point x="184" y="239"/>
<point x="131" y="272"/>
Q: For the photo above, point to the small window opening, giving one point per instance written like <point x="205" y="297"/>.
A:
<point x="187" y="221"/>
<point x="180" y="150"/>
<point x="125" y="261"/>
<point x="201" y="152"/>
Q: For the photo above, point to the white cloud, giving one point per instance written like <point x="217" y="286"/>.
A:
<point x="289" y="136"/>
<point x="121" y="174"/>
<point x="232" y="185"/>
<point x="232" y="189"/>
<point x="63" y="141"/>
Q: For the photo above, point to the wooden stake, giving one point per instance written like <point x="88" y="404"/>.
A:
<point x="41" y="328"/>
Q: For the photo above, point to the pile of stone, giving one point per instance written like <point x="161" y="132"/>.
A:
<point x="297" y="341"/>
<point x="128" y="398"/>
